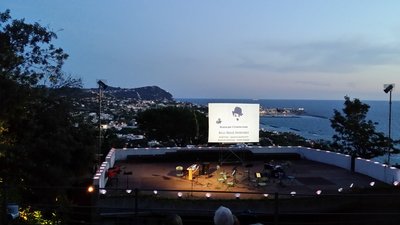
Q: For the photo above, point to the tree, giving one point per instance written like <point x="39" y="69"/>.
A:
<point x="42" y="141"/>
<point x="182" y="125"/>
<point x="28" y="56"/>
<point x="354" y="134"/>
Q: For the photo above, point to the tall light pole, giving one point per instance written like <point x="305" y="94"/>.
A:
<point x="388" y="88"/>
<point x="102" y="87"/>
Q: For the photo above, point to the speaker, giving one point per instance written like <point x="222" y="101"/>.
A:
<point x="205" y="166"/>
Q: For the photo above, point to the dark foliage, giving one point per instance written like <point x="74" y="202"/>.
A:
<point x="180" y="125"/>
<point x="42" y="143"/>
<point x="355" y="135"/>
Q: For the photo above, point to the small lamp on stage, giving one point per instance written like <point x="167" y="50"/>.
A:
<point x="237" y="195"/>
<point x="90" y="189"/>
<point x="388" y="88"/>
<point x="180" y="194"/>
<point x="208" y="195"/>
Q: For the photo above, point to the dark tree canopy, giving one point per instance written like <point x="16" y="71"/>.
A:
<point x="28" y="56"/>
<point x="42" y="142"/>
<point x="354" y="134"/>
<point x="182" y="125"/>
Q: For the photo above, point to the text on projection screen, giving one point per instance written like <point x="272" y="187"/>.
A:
<point x="233" y="123"/>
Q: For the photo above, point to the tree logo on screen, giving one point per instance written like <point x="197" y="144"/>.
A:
<point x="237" y="112"/>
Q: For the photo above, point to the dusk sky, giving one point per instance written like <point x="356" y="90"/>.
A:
<point x="260" y="49"/>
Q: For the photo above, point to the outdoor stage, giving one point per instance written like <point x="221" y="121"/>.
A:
<point x="148" y="187"/>
<point x="221" y="180"/>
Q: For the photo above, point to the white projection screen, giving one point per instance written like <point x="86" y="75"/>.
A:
<point x="233" y="122"/>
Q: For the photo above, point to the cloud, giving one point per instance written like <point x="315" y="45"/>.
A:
<point x="340" y="56"/>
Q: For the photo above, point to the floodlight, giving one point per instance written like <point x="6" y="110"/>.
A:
<point x="102" y="84"/>
<point x="388" y="87"/>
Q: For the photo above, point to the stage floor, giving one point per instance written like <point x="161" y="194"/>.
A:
<point x="301" y="176"/>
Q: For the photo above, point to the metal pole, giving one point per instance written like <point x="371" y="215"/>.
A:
<point x="136" y="205"/>
<point x="276" y="211"/>
<point x="99" y="150"/>
<point x="4" y="219"/>
<point x="390" y="126"/>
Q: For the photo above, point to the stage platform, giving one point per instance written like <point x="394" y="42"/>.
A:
<point x="255" y="176"/>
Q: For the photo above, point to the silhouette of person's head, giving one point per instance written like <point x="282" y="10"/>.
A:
<point x="173" y="220"/>
<point x="223" y="216"/>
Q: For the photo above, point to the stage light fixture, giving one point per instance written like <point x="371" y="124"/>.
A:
<point x="396" y="183"/>
<point x="90" y="189"/>
<point x="128" y="191"/>
<point x="318" y="192"/>
<point x="340" y="190"/>
<point x="372" y="184"/>
<point x="155" y="192"/>
<point x="293" y="193"/>
<point x="237" y="195"/>
<point x="208" y="195"/>
<point x="103" y="191"/>
<point x="265" y="195"/>
<point x="351" y="185"/>
<point x="180" y="194"/>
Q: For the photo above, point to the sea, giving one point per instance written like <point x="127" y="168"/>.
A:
<point x="314" y="123"/>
